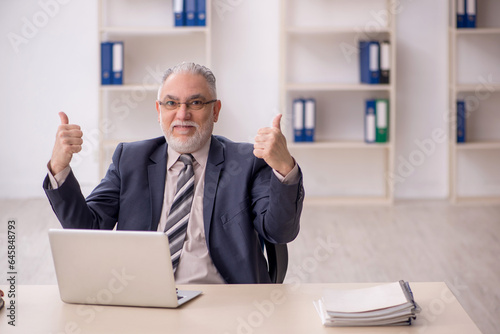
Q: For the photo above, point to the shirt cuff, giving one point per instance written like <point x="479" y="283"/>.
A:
<point x="291" y="178"/>
<point x="57" y="180"/>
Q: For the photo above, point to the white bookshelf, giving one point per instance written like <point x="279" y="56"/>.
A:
<point x="474" y="76"/>
<point x="317" y="61"/>
<point x="151" y="45"/>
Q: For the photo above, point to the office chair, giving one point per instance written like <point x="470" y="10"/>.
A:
<point x="277" y="261"/>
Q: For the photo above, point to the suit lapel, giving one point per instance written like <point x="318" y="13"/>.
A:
<point x="157" y="172"/>
<point x="212" y="174"/>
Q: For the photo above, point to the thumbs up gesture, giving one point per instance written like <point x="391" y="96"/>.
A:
<point x="68" y="141"/>
<point x="270" y="145"/>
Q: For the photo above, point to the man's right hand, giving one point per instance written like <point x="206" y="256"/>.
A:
<point x="68" y="141"/>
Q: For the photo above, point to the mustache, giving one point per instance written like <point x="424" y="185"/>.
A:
<point x="184" y="123"/>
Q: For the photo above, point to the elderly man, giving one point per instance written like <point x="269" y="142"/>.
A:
<point x="215" y="199"/>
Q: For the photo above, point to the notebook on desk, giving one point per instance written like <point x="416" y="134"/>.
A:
<point x="127" y="268"/>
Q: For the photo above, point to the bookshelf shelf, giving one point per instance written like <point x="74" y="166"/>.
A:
<point x="154" y="30"/>
<point x="320" y="59"/>
<point x="336" y="87"/>
<point x="476" y="31"/>
<point x="489" y="145"/>
<point x="125" y="88"/>
<point x="339" y="145"/>
<point x="346" y="201"/>
<point x="111" y="144"/>
<point x="473" y="63"/>
<point x="469" y="88"/>
<point x="334" y="30"/>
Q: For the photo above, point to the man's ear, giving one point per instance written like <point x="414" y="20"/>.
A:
<point x="217" y="107"/>
<point x="158" y="110"/>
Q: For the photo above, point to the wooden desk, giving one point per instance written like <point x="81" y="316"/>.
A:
<point x="245" y="309"/>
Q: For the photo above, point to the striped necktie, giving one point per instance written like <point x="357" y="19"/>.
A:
<point x="178" y="216"/>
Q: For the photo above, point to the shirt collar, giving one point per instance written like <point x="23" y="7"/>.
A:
<point x="201" y="156"/>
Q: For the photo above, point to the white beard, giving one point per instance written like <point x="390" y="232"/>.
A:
<point x="193" y="143"/>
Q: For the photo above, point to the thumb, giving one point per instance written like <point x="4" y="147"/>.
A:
<point x="277" y="121"/>
<point x="63" y="117"/>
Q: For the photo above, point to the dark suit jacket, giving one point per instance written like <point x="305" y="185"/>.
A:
<point x="243" y="202"/>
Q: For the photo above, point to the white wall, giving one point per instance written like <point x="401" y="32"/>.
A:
<point x="245" y="46"/>
<point x="50" y="65"/>
<point x="57" y="69"/>
<point x="422" y="99"/>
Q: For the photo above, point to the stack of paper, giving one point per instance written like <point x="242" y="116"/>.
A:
<point x="384" y="305"/>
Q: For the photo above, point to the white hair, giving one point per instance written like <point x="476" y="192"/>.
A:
<point x="191" y="68"/>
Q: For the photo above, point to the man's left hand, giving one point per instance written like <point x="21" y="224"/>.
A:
<point x="270" y="145"/>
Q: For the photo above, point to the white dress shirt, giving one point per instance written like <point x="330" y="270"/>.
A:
<point x="195" y="264"/>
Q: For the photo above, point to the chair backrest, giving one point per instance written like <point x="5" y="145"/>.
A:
<point x="277" y="260"/>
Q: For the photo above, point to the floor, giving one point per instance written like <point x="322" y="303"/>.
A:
<point x="411" y="240"/>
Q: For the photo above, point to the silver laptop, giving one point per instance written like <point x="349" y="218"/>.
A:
<point x="105" y="267"/>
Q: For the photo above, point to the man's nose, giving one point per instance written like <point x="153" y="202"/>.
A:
<point x="183" y="112"/>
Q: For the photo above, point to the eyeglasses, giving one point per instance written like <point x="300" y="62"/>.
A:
<point x="193" y="104"/>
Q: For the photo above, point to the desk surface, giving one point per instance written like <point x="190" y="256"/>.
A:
<point x="224" y="309"/>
